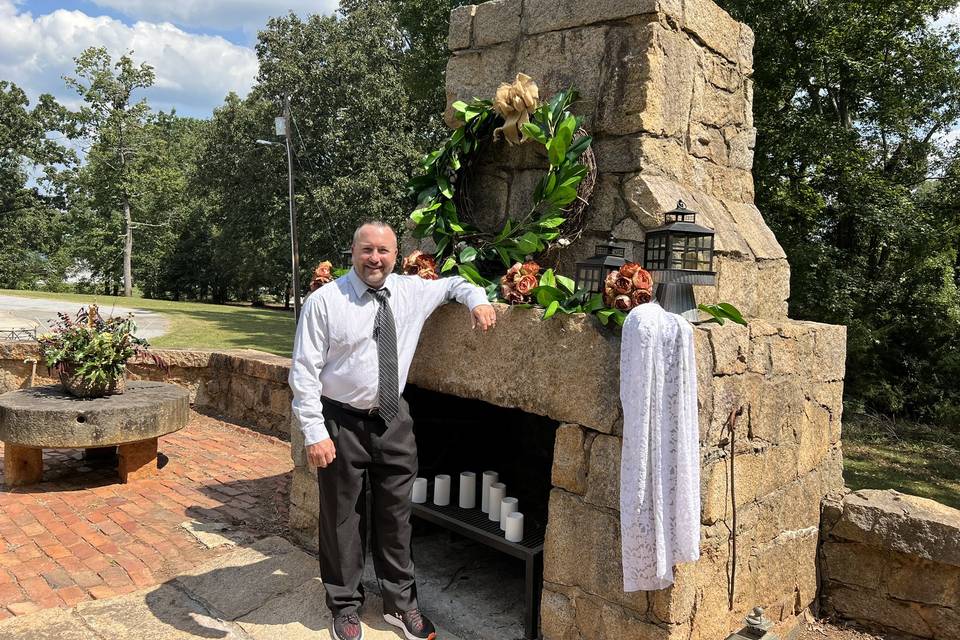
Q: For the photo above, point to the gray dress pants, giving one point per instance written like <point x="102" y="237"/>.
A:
<point x="385" y="455"/>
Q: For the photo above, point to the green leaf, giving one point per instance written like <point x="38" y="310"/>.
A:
<point x="444" y="185"/>
<point x="566" y="284"/>
<point x="579" y="146"/>
<point x="533" y="130"/>
<point x="455" y="226"/>
<point x="604" y="315"/>
<point x="619" y="316"/>
<point x="459" y="106"/>
<point x="732" y="312"/>
<point x="429" y="159"/>
<point x="504" y="256"/>
<point x="551" y="309"/>
<point x="441" y="245"/>
<point x="470" y="272"/>
<point x="469" y="254"/>
<point x="563" y="196"/>
<point x="527" y="243"/>
<point x="551" y="222"/>
<point x="595" y="303"/>
<point x="547" y="279"/>
<point x="503" y="232"/>
<point x="546" y="294"/>
<point x="448" y="264"/>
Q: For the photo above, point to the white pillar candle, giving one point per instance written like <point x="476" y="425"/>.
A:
<point x="441" y="490"/>
<point x="515" y="527"/>
<point x="489" y="477"/>
<point x="507" y="506"/>
<point x="497" y="491"/>
<point x="420" y="490"/>
<point x="468" y="490"/>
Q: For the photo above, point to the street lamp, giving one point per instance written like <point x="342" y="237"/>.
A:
<point x="282" y="125"/>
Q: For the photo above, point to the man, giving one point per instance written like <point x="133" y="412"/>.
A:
<point x="355" y="341"/>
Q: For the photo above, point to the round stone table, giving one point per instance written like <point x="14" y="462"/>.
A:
<point x="39" y="418"/>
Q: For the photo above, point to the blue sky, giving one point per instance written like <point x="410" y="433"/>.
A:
<point x="200" y="49"/>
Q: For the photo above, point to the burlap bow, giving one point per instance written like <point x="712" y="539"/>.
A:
<point x="515" y="102"/>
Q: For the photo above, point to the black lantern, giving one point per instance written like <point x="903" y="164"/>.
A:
<point x="679" y="255"/>
<point x="592" y="272"/>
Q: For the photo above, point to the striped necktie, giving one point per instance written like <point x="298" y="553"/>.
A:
<point x="385" y="332"/>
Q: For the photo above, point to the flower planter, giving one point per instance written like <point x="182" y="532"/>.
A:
<point x="76" y="386"/>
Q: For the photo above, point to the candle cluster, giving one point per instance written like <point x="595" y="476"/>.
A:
<point x="494" y="500"/>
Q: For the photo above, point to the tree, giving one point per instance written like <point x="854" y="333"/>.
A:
<point x="850" y="101"/>
<point x="112" y="124"/>
<point x="30" y="220"/>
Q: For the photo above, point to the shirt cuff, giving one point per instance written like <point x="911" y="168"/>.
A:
<point x="477" y="297"/>
<point x="314" y="433"/>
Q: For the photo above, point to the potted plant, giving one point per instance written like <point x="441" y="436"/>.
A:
<point x="90" y="353"/>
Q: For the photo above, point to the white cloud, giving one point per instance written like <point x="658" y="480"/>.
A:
<point x="249" y="15"/>
<point x="193" y="72"/>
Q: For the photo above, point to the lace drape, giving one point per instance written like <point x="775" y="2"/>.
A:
<point x="660" y="464"/>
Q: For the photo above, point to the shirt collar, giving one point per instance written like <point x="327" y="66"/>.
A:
<point x="360" y="287"/>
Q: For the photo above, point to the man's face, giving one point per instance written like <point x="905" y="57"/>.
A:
<point x="374" y="254"/>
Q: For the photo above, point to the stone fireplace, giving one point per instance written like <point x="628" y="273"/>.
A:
<point x="667" y="95"/>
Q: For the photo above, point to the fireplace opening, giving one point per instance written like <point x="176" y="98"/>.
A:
<point x="476" y="590"/>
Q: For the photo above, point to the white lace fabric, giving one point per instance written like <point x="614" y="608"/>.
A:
<point x="660" y="463"/>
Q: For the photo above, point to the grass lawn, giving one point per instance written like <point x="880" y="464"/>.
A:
<point x="923" y="460"/>
<point x="199" y="325"/>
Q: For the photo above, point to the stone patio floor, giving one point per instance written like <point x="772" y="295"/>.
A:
<point x="81" y="535"/>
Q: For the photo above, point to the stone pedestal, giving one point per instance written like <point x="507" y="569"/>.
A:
<point x="47" y="417"/>
<point x="22" y="465"/>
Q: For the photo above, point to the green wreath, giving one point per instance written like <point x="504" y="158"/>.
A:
<point x="468" y="249"/>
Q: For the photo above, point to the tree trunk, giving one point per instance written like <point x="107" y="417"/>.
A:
<point x="127" y="250"/>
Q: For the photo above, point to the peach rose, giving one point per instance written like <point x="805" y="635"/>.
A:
<point x="641" y="296"/>
<point x="642" y="279"/>
<point x="623" y="303"/>
<point x="410" y="266"/>
<point x="428" y="274"/>
<point x="530" y="268"/>
<point x="511" y="295"/>
<point x="628" y="269"/>
<point x="622" y="285"/>
<point x="513" y="273"/>
<point x="321" y="275"/>
<point x="426" y="261"/>
<point x="525" y="284"/>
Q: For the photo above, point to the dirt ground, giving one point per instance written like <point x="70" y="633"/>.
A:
<point x="824" y="630"/>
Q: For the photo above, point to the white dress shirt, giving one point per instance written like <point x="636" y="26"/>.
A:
<point x="334" y="352"/>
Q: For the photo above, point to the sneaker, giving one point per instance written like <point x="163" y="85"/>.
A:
<point x="347" y="627"/>
<point x="415" y="625"/>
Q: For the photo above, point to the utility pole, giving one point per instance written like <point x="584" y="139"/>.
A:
<point x="294" y="242"/>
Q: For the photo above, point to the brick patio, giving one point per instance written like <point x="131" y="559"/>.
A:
<point x="81" y="535"/>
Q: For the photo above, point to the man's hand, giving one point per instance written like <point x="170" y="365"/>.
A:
<point x="320" y="454"/>
<point x="484" y="317"/>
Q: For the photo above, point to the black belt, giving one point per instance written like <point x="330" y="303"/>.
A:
<point x="366" y="413"/>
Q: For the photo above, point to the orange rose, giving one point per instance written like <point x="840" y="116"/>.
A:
<point x="410" y="266"/>
<point x="428" y="274"/>
<point x="321" y="275"/>
<point x="511" y="295"/>
<point x="623" y="303"/>
<point x="628" y="269"/>
<point x="513" y="273"/>
<point x="622" y="285"/>
<point x="426" y="261"/>
<point x="530" y="268"/>
<point x="525" y="284"/>
<point x="641" y="296"/>
<point x="642" y="279"/>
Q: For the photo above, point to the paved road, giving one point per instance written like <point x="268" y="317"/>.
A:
<point x="24" y="313"/>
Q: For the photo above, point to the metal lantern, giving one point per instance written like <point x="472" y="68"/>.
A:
<point x="679" y="255"/>
<point x="592" y="272"/>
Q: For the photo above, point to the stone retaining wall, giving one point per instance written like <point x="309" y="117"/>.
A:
<point x="891" y="562"/>
<point x="240" y="384"/>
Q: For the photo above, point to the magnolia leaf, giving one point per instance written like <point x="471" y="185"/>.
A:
<point x="551" y="309"/>
<point x="547" y="278"/>
<point x="566" y="284"/>
<point x="459" y="106"/>
<point x="450" y="263"/>
<point x="469" y="254"/>
<point x="444" y="186"/>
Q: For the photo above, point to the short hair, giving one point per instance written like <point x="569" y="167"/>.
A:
<point x="371" y="223"/>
